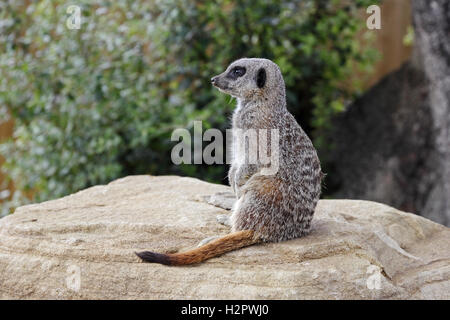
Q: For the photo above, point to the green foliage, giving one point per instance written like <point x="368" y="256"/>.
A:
<point x="408" y="39"/>
<point x="97" y="103"/>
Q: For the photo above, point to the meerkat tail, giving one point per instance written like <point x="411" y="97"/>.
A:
<point x="215" y="248"/>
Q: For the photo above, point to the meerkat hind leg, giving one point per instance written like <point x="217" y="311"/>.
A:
<point x="225" y="200"/>
<point x="207" y="240"/>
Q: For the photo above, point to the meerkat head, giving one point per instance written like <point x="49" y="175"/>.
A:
<point x="250" y="79"/>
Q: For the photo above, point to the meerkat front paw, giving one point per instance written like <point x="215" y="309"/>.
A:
<point x="224" y="219"/>
<point x="224" y="200"/>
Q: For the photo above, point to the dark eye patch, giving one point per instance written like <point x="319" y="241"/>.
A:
<point x="236" y="72"/>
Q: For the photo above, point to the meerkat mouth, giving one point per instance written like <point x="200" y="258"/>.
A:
<point x="224" y="89"/>
<point x="221" y="85"/>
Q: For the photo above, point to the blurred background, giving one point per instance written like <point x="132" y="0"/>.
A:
<point x="81" y="107"/>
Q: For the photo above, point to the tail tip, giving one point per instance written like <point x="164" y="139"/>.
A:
<point x="154" y="257"/>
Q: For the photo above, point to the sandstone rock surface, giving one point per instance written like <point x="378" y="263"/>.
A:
<point x="82" y="247"/>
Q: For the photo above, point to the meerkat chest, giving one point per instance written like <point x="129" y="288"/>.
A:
<point x="248" y="123"/>
<point x="249" y="116"/>
<point x="239" y="127"/>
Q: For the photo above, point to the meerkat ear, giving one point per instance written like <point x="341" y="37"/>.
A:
<point x="261" y="78"/>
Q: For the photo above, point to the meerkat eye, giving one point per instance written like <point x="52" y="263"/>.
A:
<point x="237" y="72"/>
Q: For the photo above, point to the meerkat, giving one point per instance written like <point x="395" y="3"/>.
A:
<point x="270" y="207"/>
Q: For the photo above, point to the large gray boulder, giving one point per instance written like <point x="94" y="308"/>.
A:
<point x="393" y="144"/>
<point x="82" y="247"/>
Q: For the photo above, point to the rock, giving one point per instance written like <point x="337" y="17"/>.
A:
<point x="392" y="145"/>
<point x="381" y="150"/>
<point x="82" y="247"/>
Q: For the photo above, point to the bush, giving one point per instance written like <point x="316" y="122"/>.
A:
<point x="100" y="102"/>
